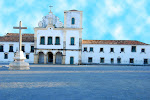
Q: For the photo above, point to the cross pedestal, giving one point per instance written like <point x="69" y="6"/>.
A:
<point x="19" y="63"/>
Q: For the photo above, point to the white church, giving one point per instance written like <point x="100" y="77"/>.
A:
<point x="54" y="42"/>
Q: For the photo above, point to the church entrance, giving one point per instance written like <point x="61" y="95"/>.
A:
<point x="41" y="57"/>
<point x="58" y="58"/>
<point x="50" y="57"/>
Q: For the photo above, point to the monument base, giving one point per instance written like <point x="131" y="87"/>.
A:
<point x="19" y="63"/>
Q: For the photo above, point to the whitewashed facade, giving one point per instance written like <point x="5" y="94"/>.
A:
<point x="56" y="43"/>
<point x="125" y="56"/>
<point x="62" y="52"/>
<point x="10" y="54"/>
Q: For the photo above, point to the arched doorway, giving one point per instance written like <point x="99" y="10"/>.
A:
<point x="58" y="58"/>
<point x="41" y="57"/>
<point x="49" y="57"/>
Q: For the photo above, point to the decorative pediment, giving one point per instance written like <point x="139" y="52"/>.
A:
<point x="50" y="19"/>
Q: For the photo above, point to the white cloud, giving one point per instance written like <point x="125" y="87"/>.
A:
<point x="118" y="33"/>
<point x="21" y="3"/>
<point x="30" y="20"/>
<point x="1" y="3"/>
<point x="148" y="20"/>
<point x="112" y="8"/>
<point x="5" y="29"/>
<point x="65" y="5"/>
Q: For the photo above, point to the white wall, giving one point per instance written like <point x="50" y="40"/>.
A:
<point x="125" y="56"/>
<point x="47" y="33"/>
<point x="75" y="34"/>
<point x="74" y="54"/>
<point x="15" y="47"/>
<point x="71" y="15"/>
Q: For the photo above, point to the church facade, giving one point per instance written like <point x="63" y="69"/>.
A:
<point x="56" y="43"/>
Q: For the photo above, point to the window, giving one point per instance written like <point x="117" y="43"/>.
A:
<point x="27" y="56"/>
<point x="49" y="40"/>
<point x="85" y="48"/>
<point x="118" y="60"/>
<point x="23" y="48"/>
<point x="32" y="48"/>
<point x="112" y="60"/>
<point x="145" y="61"/>
<point x="111" y="49"/>
<point x="101" y="60"/>
<point x="131" y="60"/>
<point x="72" y="41"/>
<point x="91" y="49"/>
<point x="142" y="50"/>
<point x="101" y="49"/>
<point x="90" y="59"/>
<point x="10" y="48"/>
<point x="42" y="40"/>
<point x="5" y="56"/>
<point x="122" y="49"/>
<point x="57" y="42"/>
<point x="73" y="21"/>
<point x="1" y="48"/>
<point x="133" y="49"/>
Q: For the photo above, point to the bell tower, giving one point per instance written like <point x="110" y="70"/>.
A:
<point x="73" y="19"/>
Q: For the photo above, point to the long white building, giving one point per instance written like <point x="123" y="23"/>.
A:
<point x="56" y="43"/>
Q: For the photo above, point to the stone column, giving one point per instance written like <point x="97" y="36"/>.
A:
<point x="64" y="48"/>
<point x="81" y="13"/>
<point x="80" y="47"/>
<point x="54" y="59"/>
<point x="45" y="60"/>
<point x="65" y="19"/>
<point x="36" y="58"/>
<point x="64" y="58"/>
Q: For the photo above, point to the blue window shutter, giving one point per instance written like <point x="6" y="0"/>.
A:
<point x="57" y="41"/>
<point x="72" y="41"/>
<point x="49" y="40"/>
<point x="42" y="40"/>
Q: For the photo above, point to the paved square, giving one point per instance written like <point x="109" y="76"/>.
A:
<point x="65" y="82"/>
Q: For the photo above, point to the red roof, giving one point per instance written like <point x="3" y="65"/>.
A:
<point x="114" y="42"/>
<point x="14" y="37"/>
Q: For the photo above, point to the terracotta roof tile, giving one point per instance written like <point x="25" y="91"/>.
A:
<point x="14" y="37"/>
<point x="114" y="42"/>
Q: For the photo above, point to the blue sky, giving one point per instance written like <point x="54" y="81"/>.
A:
<point x="102" y="19"/>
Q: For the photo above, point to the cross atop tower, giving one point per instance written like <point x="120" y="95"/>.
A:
<point x="50" y="8"/>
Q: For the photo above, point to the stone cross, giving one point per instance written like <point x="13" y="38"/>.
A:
<point x="20" y="36"/>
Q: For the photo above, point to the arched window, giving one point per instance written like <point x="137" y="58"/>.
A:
<point x="49" y="40"/>
<point x="73" y="21"/>
<point x="72" y="41"/>
<point x="57" y="41"/>
<point x="42" y="40"/>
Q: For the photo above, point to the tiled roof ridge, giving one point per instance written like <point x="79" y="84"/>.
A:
<point x="123" y="42"/>
<point x="17" y="35"/>
<point x="14" y="37"/>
